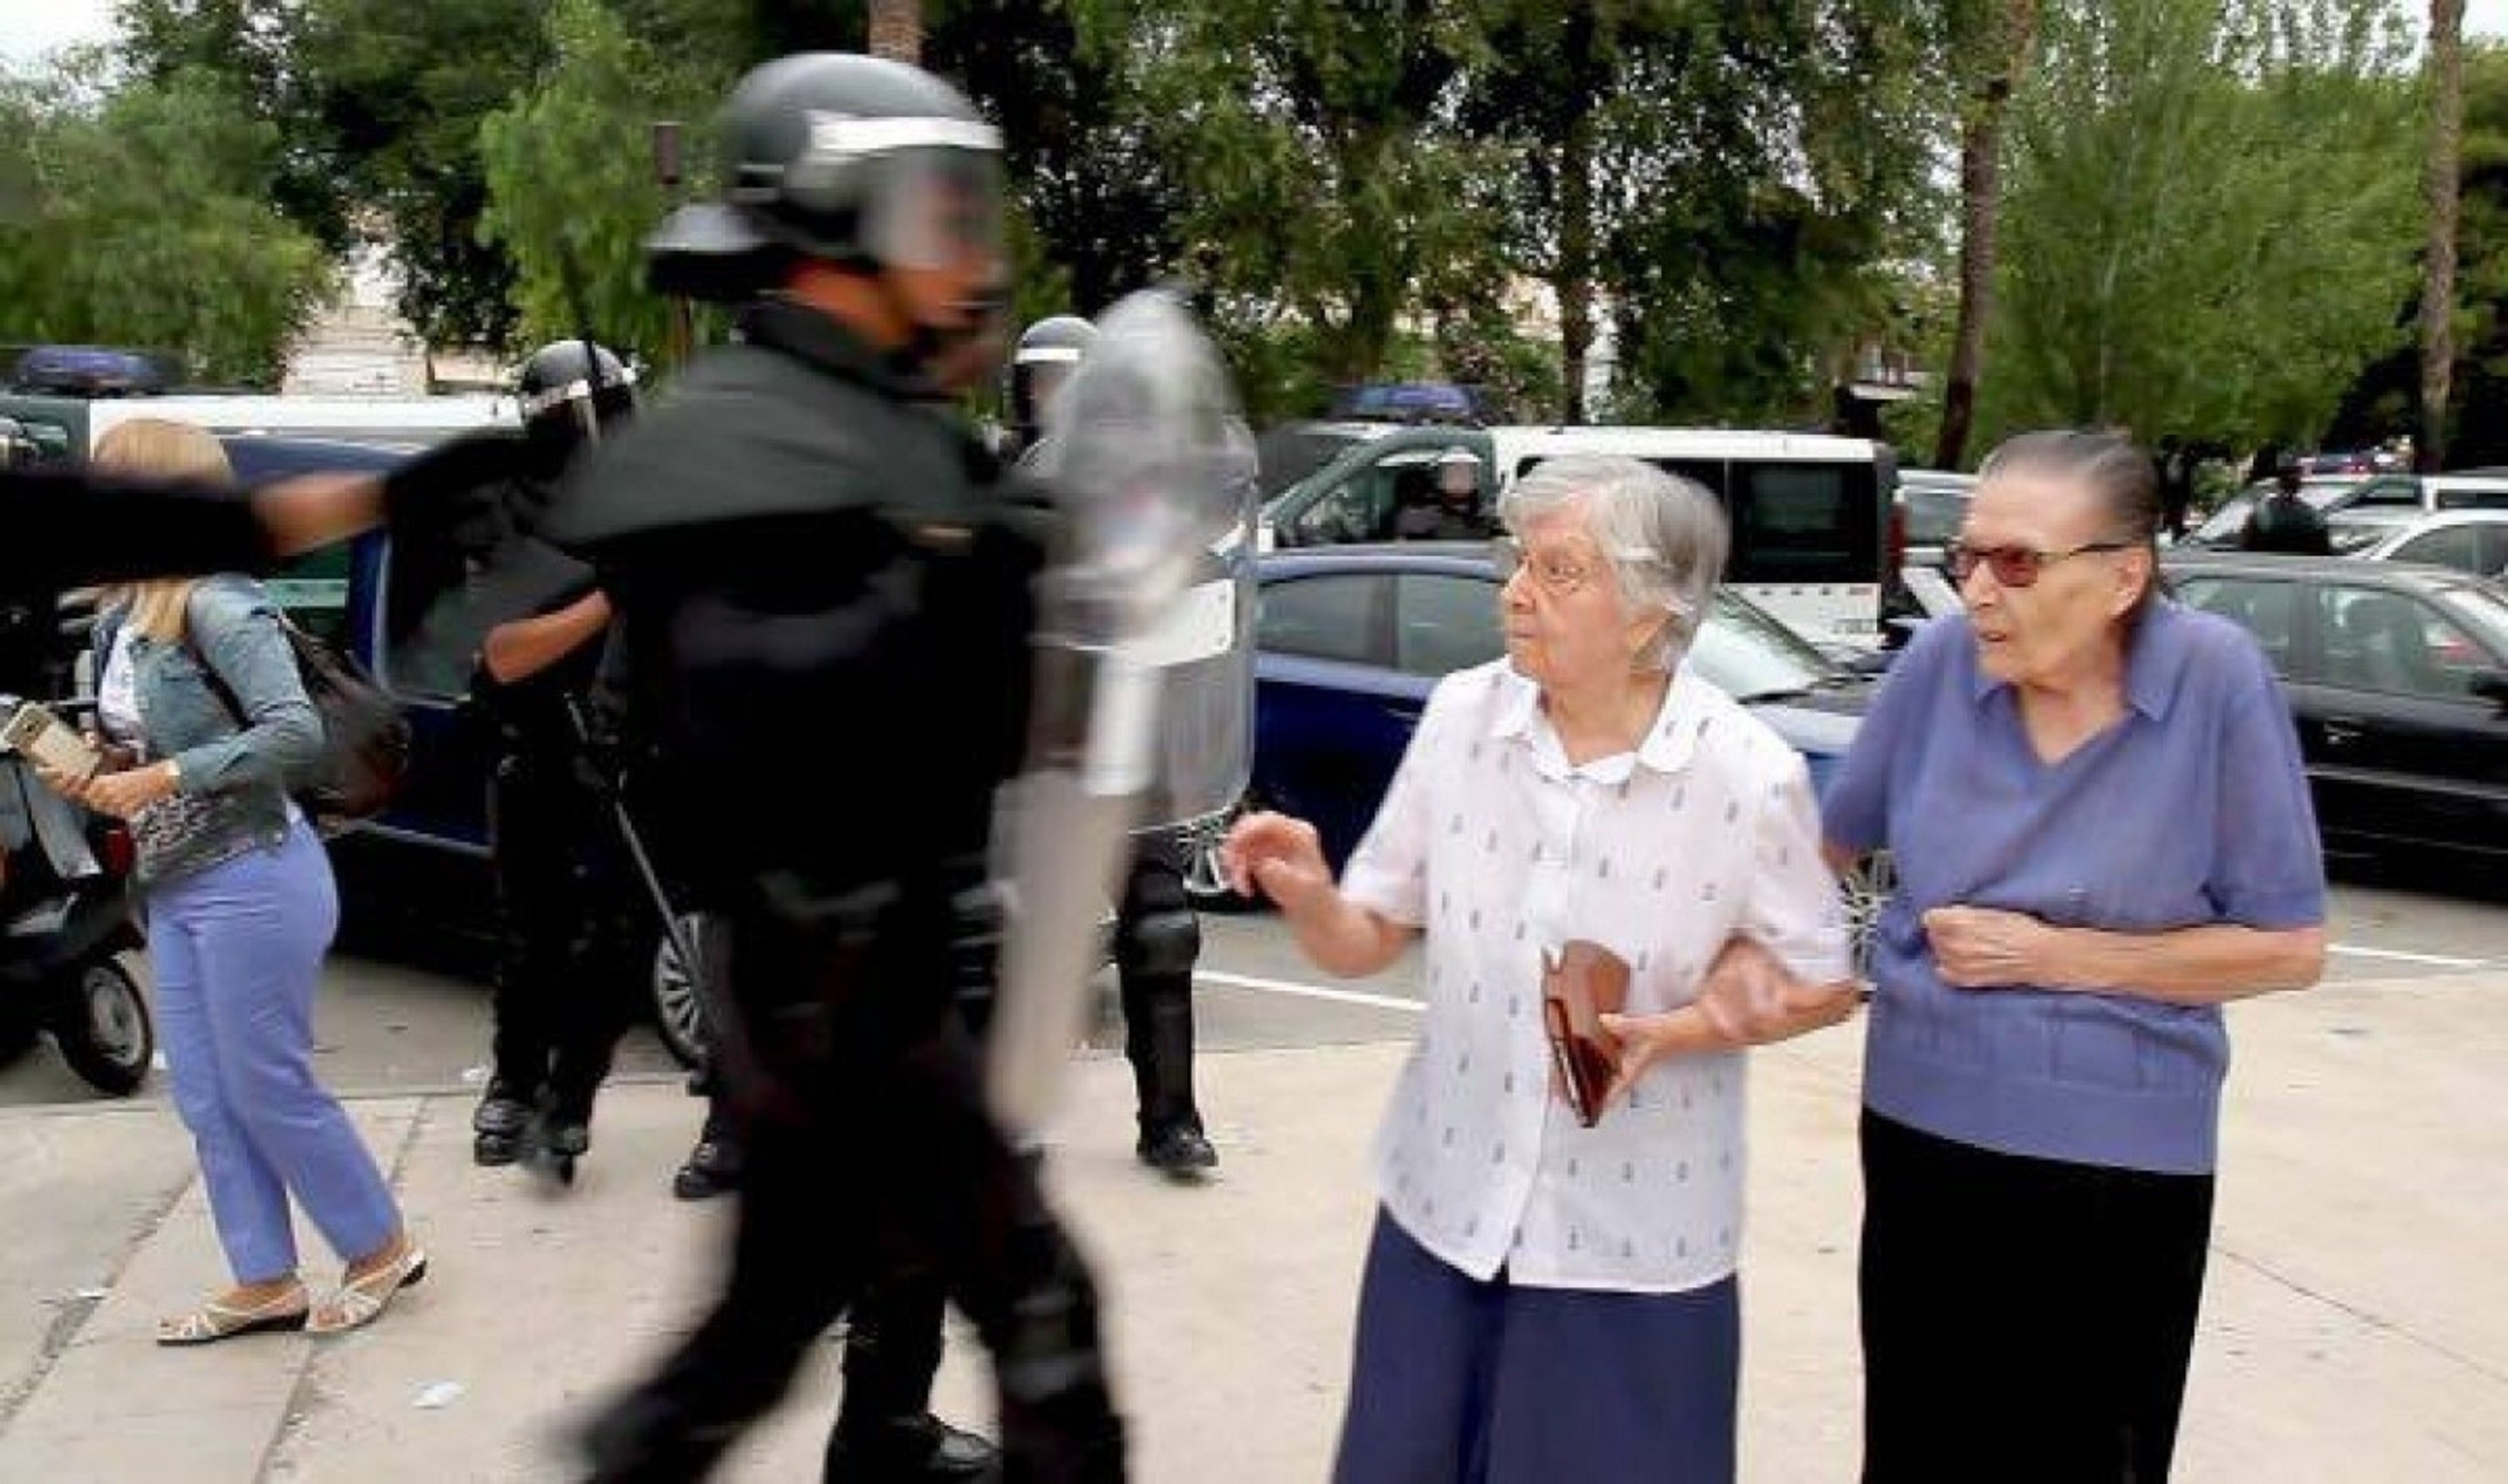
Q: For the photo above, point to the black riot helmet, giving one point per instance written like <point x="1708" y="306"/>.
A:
<point x="570" y="389"/>
<point x="1048" y="352"/>
<point x="855" y="161"/>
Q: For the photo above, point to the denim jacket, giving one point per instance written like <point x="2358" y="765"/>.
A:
<point x="235" y="775"/>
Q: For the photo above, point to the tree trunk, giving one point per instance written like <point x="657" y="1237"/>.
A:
<point x="2438" y="271"/>
<point x="1980" y="214"/>
<point x="897" y="30"/>
<point x="1575" y="283"/>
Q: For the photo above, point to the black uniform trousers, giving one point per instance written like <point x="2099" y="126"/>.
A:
<point x="571" y="927"/>
<point x="1157" y="981"/>
<point x="870" y="1155"/>
<point x="2023" y="1319"/>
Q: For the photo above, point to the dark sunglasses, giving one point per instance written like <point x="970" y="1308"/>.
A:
<point x="2015" y="565"/>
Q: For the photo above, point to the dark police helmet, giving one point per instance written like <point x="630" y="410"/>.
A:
<point x="573" y="388"/>
<point x="1048" y="352"/>
<point x="853" y="160"/>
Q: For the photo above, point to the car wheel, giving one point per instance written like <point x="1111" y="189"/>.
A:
<point x="1867" y="888"/>
<point x="678" y="1009"/>
<point x="104" y="1030"/>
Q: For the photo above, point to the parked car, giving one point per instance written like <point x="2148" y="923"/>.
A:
<point x="1352" y="640"/>
<point x="2346" y="494"/>
<point x="2471" y="541"/>
<point x="1810" y="513"/>
<point x="2397" y="675"/>
<point x="1932" y="505"/>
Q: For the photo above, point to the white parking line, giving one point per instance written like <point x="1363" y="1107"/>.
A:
<point x="2435" y="960"/>
<point x="1298" y="991"/>
<point x="1310" y="991"/>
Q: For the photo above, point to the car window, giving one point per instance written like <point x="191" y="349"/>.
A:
<point x="2225" y="524"/>
<point x="1444" y="624"/>
<point x="2457" y="546"/>
<point x="314" y="591"/>
<point x="2494" y="548"/>
<point x="2395" y="642"/>
<point x="1324" y="617"/>
<point x="1804" y="522"/>
<point x="1933" y="514"/>
<point x="2388" y="491"/>
<point x="1361" y="507"/>
<point x="2270" y="610"/>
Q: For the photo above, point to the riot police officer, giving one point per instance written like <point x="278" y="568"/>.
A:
<point x="568" y="917"/>
<point x="824" y="597"/>
<point x="1158" y="937"/>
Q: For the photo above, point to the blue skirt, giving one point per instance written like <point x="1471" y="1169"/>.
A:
<point x="1463" y="1382"/>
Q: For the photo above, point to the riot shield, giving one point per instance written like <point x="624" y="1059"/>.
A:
<point x="1151" y="467"/>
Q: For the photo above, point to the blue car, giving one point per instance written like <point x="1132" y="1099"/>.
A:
<point x="1352" y="640"/>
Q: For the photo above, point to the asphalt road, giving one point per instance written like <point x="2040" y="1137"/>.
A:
<point x="386" y="1026"/>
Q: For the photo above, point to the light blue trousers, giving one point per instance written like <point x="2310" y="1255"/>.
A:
<point x="238" y="949"/>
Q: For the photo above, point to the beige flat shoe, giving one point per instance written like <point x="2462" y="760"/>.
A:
<point x="361" y="1301"/>
<point x="218" y="1319"/>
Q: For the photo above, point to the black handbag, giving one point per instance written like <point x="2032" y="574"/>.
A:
<point x="365" y="737"/>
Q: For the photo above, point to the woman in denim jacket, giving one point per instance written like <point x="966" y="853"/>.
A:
<point x="205" y="720"/>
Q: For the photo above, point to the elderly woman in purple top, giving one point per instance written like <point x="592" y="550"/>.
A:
<point x="2102" y="833"/>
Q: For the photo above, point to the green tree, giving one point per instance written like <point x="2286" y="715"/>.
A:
<point x="571" y="182"/>
<point x="148" y="224"/>
<point x="1321" y="191"/>
<point x="2210" y="222"/>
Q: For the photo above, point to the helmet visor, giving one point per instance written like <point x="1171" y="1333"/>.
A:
<point x="936" y="208"/>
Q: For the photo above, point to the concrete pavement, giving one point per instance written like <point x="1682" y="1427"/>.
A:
<point x="2355" y="1327"/>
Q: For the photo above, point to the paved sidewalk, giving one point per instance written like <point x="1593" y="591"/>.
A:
<point x="2355" y="1328"/>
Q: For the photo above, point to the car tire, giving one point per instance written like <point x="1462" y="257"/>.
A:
<point x="677" y="1005"/>
<point x="104" y="1030"/>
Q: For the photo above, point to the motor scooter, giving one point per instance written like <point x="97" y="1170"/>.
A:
<point x="65" y="920"/>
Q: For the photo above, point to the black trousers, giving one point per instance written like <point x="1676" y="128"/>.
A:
<point x="2023" y="1319"/>
<point x="1156" y="940"/>
<point x="870" y="1154"/>
<point x="571" y="927"/>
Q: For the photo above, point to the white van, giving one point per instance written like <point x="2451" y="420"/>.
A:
<point x="1810" y="513"/>
<point x="65" y="430"/>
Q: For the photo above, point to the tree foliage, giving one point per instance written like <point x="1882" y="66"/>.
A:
<point x="570" y="180"/>
<point x="2211" y="216"/>
<point x="146" y="222"/>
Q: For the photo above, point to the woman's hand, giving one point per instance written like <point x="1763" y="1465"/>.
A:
<point x="1983" y="948"/>
<point x="1282" y="856"/>
<point x="1747" y="998"/>
<point x="68" y="786"/>
<point x="125" y="794"/>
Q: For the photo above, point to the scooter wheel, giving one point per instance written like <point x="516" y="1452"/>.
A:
<point x="103" y="1027"/>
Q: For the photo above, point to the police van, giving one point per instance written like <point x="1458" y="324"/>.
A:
<point x="1810" y="513"/>
<point x="65" y="430"/>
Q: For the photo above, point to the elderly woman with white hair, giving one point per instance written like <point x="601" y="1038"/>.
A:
<point x="1546" y="1299"/>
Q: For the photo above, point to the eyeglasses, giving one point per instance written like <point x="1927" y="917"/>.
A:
<point x="2015" y="566"/>
<point x="1559" y="577"/>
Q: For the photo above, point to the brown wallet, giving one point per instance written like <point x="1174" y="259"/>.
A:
<point x="1581" y="983"/>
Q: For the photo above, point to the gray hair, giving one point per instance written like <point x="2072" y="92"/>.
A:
<point x="2120" y="478"/>
<point x="1664" y="535"/>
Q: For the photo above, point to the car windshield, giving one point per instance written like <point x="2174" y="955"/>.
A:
<point x="1751" y="656"/>
<point x="2481" y="607"/>
<point x="1934" y="513"/>
<point x="2349" y="535"/>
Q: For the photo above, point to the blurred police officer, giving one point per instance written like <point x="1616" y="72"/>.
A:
<point x="1158" y="937"/>
<point x="1452" y="511"/>
<point x="824" y="598"/>
<point x="568" y="918"/>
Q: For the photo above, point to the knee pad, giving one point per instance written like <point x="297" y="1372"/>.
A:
<point x="1162" y="942"/>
